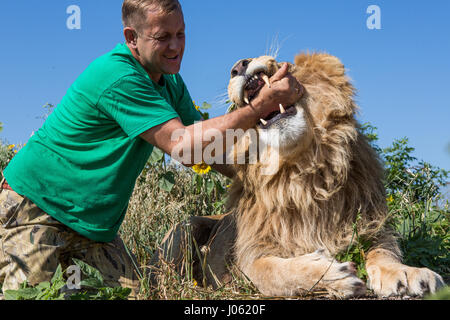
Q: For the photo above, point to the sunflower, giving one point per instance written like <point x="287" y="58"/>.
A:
<point x="196" y="106"/>
<point x="201" y="168"/>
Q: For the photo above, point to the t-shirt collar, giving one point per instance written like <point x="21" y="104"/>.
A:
<point x="127" y="51"/>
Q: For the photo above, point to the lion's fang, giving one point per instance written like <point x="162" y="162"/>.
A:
<point x="266" y="79"/>
<point x="246" y="97"/>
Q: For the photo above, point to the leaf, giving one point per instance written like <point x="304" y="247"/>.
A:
<point x="11" y="295"/>
<point x="121" y="292"/>
<point x="92" y="283"/>
<point x="167" y="181"/>
<point x="205" y="106"/>
<point x="43" y="285"/>
<point x="22" y="294"/>
<point x="219" y="187"/>
<point x="58" y="275"/>
<point x="58" y="285"/>
<point x="205" y="115"/>
<point x="209" y="186"/>
<point x="198" y="183"/>
<point x="89" y="271"/>
<point x="80" y="296"/>
<point x="156" y="156"/>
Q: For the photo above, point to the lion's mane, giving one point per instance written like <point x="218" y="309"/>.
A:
<point x="318" y="192"/>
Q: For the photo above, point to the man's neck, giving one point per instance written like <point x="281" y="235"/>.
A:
<point x="155" y="77"/>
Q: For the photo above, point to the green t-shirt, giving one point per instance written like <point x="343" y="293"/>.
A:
<point x="82" y="165"/>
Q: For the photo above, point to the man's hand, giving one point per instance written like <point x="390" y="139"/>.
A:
<point x="284" y="89"/>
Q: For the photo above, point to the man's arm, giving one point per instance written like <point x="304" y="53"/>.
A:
<point x="174" y="136"/>
<point x="175" y="139"/>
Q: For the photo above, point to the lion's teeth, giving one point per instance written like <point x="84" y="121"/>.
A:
<point x="282" y="109"/>
<point x="246" y="97"/>
<point x="266" y="79"/>
<point x="264" y="122"/>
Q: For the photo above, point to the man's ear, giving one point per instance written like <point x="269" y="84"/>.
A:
<point x="130" y="36"/>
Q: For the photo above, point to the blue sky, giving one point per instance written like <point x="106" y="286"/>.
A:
<point x="401" y="71"/>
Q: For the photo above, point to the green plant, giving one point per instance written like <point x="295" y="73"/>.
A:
<point x="416" y="208"/>
<point x="356" y="251"/>
<point x="443" y="294"/>
<point x="92" y="288"/>
<point x="7" y="152"/>
<point x="417" y="212"/>
<point x="421" y="181"/>
<point x="43" y="291"/>
<point x="204" y="106"/>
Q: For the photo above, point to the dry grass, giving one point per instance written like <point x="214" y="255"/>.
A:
<point x="153" y="212"/>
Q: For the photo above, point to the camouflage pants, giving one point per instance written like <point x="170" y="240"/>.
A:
<point x="32" y="244"/>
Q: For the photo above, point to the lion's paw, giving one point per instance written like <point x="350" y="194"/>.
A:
<point x="396" y="279"/>
<point x="341" y="280"/>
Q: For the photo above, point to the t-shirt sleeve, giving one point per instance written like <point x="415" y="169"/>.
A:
<point x="186" y="108"/>
<point x="135" y="105"/>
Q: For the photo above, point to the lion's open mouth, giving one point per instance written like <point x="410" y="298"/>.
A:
<point x="276" y="116"/>
<point x="253" y="85"/>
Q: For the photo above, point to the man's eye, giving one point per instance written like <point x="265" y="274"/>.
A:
<point x="181" y="35"/>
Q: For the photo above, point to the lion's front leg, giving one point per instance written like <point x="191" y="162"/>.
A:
<point x="294" y="276"/>
<point x="389" y="277"/>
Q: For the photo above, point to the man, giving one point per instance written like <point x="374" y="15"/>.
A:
<point x="68" y="189"/>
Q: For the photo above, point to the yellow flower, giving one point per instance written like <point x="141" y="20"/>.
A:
<point x="201" y="168"/>
<point x="196" y="106"/>
<point x="390" y="198"/>
<point x="11" y="146"/>
<point x="195" y="283"/>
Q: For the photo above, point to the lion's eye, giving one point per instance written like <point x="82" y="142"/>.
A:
<point x="245" y="63"/>
<point x="234" y="73"/>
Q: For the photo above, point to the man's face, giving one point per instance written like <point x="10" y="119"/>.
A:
<point x="161" y="42"/>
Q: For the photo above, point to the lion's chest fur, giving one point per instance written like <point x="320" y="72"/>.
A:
<point x="285" y="214"/>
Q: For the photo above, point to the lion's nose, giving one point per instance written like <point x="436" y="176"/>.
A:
<point x="239" y="68"/>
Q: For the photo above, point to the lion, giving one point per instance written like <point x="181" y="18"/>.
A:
<point x="284" y="230"/>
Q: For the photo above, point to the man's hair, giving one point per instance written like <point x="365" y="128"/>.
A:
<point x="134" y="12"/>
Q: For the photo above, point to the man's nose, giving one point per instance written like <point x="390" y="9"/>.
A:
<point x="239" y="68"/>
